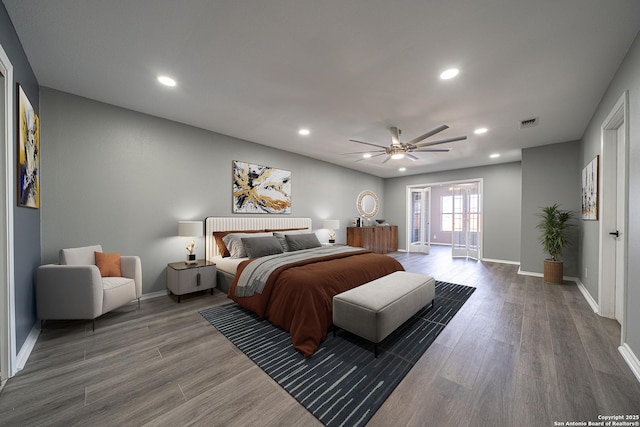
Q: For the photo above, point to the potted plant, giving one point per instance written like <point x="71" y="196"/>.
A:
<point x="554" y="225"/>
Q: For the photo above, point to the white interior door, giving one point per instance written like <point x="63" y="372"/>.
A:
<point x="620" y="224"/>
<point x="7" y="329"/>
<point x="465" y="235"/>
<point x="612" y="194"/>
<point x="419" y="225"/>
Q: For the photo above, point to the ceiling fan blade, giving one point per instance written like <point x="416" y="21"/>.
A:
<point x="432" y="132"/>
<point x="441" y="141"/>
<point x="386" y="160"/>
<point x="367" y="158"/>
<point x="363" y="152"/>
<point x="395" y="135"/>
<point x="411" y="157"/>
<point x="432" y="150"/>
<point x="367" y="143"/>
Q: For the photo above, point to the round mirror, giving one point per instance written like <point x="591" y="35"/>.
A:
<point x="367" y="204"/>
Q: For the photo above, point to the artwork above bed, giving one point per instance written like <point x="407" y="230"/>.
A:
<point x="260" y="189"/>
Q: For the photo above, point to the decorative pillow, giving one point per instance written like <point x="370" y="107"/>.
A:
<point x="219" y="235"/>
<point x="297" y="242"/>
<point x="233" y="242"/>
<point x="257" y="247"/>
<point x="108" y="264"/>
<point x="283" y="241"/>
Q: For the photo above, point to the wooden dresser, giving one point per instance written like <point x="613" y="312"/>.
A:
<point x="379" y="238"/>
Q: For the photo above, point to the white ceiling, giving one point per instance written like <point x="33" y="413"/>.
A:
<point x="259" y="70"/>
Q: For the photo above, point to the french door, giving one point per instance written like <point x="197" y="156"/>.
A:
<point x="419" y="211"/>
<point x="465" y="234"/>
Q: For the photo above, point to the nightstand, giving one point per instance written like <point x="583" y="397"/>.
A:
<point x="183" y="278"/>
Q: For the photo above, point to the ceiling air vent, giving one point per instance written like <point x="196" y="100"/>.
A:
<point x="529" y="123"/>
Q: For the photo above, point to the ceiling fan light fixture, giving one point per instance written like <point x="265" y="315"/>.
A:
<point x="397" y="156"/>
<point x="167" y="81"/>
<point x="449" y="74"/>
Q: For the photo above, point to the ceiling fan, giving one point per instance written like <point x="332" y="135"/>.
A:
<point x="399" y="150"/>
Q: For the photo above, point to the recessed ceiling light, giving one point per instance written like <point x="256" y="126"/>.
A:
<point x="304" y="132"/>
<point x="480" y="131"/>
<point x="366" y="155"/>
<point x="495" y="156"/>
<point x="449" y="74"/>
<point x="167" y="81"/>
<point x="402" y="169"/>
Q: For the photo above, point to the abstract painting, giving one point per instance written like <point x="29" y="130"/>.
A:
<point x="590" y="190"/>
<point x="28" y="153"/>
<point x="260" y="189"/>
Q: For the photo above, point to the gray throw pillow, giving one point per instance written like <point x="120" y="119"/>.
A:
<point x="257" y="247"/>
<point x="234" y="243"/>
<point x="283" y="242"/>
<point x="297" y="242"/>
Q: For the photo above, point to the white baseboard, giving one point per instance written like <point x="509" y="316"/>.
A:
<point x="501" y="261"/>
<point x="27" y="347"/>
<point x="529" y="273"/>
<point x="154" y="295"/>
<point x="631" y="359"/>
<point x="585" y="293"/>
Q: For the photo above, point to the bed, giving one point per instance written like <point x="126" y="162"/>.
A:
<point x="296" y="288"/>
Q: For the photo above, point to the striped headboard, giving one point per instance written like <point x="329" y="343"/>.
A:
<point x="214" y="223"/>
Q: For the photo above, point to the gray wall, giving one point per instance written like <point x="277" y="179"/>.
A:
<point x="124" y="179"/>
<point x="550" y="174"/>
<point x="501" y="205"/>
<point x="26" y="221"/>
<point x="626" y="78"/>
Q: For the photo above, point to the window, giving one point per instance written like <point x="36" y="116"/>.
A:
<point x="451" y="220"/>
<point x="448" y="216"/>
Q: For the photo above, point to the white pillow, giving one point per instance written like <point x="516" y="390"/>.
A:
<point x="234" y="243"/>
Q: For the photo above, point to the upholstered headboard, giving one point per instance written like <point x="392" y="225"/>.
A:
<point x="213" y="223"/>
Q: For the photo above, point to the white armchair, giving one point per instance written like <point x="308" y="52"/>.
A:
<point x="75" y="289"/>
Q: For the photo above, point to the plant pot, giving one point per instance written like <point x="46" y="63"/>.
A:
<point x="553" y="271"/>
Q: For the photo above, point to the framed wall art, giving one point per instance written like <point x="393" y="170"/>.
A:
<point x="260" y="189"/>
<point x="590" y="190"/>
<point x="28" y="153"/>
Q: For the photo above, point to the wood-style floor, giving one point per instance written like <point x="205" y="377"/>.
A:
<point x="519" y="353"/>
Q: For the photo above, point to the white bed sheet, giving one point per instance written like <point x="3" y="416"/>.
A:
<point x="227" y="264"/>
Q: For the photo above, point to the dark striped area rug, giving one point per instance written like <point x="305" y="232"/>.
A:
<point x="342" y="384"/>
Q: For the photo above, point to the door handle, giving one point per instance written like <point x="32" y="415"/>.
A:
<point x="615" y="233"/>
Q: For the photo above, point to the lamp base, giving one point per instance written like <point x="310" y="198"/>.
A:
<point x="191" y="259"/>
<point x="332" y="240"/>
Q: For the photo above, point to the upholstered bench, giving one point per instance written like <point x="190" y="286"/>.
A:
<point x="374" y="310"/>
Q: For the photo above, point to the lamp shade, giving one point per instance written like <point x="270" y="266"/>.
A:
<point x="190" y="228"/>
<point x="331" y="224"/>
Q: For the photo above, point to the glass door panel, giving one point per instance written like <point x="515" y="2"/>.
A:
<point x="465" y="235"/>
<point x="419" y="226"/>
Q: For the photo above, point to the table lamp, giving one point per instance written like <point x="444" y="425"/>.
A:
<point x="331" y="225"/>
<point x="191" y="229"/>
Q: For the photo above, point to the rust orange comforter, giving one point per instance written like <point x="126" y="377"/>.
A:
<point x="299" y="297"/>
